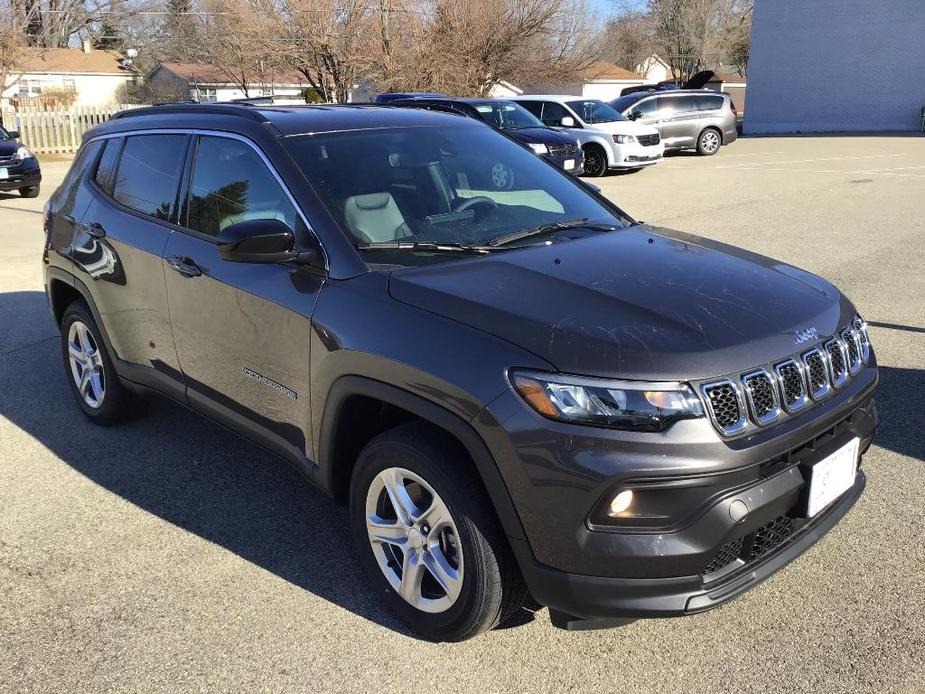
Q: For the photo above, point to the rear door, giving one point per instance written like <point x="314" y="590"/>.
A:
<point x="242" y="330"/>
<point x="679" y="119"/>
<point x="119" y="248"/>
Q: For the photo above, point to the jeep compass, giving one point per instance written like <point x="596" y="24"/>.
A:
<point x="523" y="395"/>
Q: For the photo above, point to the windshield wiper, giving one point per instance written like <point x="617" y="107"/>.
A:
<point x="544" y="229"/>
<point x="424" y="246"/>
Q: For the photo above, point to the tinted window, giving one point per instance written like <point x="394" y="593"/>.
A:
<point x="84" y="158"/>
<point x="534" y="107"/>
<point x="4" y="135"/>
<point x="106" y="169"/>
<point x="438" y="184"/>
<point x="594" y="111"/>
<point x="149" y="173"/>
<point x="553" y="113"/>
<point x="675" y="105"/>
<point x="647" y="109"/>
<point x="232" y="184"/>
<point x="709" y="103"/>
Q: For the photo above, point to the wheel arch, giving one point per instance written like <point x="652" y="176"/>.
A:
<point x="599" y="141"/>
<point x="715" y="128"/>
<point x="63" y="289"/>
<point x="374" y="407"/>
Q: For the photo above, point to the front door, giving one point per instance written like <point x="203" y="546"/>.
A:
<point x="678" y="120"/>
<point x="242" y="330"/>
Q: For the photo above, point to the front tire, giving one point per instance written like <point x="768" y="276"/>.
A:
<point x="595" y="160"/>
<point x="90" y="372"/>
<point x="29" y="192"/>
<point x="709" y="142"/>
<point x="428" y="537"/>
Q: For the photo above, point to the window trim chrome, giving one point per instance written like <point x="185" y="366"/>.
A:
<point x="774" y="414"/>
<point x="231" y="136"/>
<point x="804" y="399"/>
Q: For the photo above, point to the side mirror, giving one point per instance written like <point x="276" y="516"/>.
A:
<point x="634" y="115"/>
<point x="14" y="134"/>
<point x="567" y="122"/>
<point x="261" y="241"/>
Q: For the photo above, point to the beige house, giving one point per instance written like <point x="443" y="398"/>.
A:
<point x="78" y="76"/>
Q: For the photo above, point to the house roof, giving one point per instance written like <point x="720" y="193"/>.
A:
<point x="608" y="71"/>
<point x="201" y="73"/>
<point x="73" y="61"/>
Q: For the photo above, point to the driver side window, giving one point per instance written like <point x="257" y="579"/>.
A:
<point x="553" y="113"/>
<point x="647" y="108"/>
<point x="231" y="184"/>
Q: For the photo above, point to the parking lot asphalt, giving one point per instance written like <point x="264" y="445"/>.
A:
<point x="169" y="555"/>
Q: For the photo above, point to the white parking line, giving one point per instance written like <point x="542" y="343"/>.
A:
<point x="862" y="172"/>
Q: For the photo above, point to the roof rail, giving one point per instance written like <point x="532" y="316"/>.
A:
<point x="245" y="111"/>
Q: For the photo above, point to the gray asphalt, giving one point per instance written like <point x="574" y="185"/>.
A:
<point x="169" y="555"/>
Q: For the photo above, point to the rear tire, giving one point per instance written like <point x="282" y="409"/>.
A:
<point x="450" y="525"/>
<point x="708" y="142"/>
<point x="595" y="160"/>
<point x="89" y="368"/>
<point x="29" y="192"/>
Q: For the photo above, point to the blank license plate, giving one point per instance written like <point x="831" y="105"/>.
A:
<point x="832" y="476"/>
<point x="569" y="164"/>
<point x="4" y="173"/>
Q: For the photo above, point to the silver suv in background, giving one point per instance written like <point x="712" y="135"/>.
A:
<point x="686" y="119"/>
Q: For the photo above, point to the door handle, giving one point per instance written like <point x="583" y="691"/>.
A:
<point x="96" y="230"/>
<point x="185" y="266"/>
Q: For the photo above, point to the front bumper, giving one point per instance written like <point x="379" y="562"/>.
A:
<point x="22" y="176"/>
<point x="634" y="156"/>
<point x="558" y="475"/>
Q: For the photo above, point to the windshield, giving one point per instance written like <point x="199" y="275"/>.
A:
<point x="4" y="135"/>
<point x="507" y="115"/>
<point x="594" y="111"/>
<point x="624" y="102"/>
<point x="440" y="185"/>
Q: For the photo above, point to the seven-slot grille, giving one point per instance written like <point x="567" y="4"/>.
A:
<point x="648" y="140"/>
<point x="758" y="397"/>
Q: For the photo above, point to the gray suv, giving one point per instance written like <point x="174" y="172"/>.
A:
<point x="522" y="395"/>
<point x="703" y="120"/>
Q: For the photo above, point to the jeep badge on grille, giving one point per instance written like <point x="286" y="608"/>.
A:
<point x="801" y="336"/>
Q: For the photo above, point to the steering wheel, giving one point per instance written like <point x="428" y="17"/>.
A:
<point x="468" y="203"/>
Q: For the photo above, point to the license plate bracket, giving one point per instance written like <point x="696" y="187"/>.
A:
<point x="4" y="174"/>
<point x="830" y="477"/>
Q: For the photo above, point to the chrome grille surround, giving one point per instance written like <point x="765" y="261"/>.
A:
<point x="725" y="405"/>
<point x="852" y="341"/>
<point x="838" y="361"/>
<point x="861" y="327"/>
<point x="817" y="374"/>
<point x="791" y="377"/>
<point x="761" y="394"/>
<point x="757" y="398"/>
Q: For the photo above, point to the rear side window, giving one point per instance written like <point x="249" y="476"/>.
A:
<point x="149" y="173"/>
<point x="709" y="103"/>
<point x="675" y="105"/>
<point x="85" y="158"/>
<point x="232" y="184"/>
<point x="106" y="169"/>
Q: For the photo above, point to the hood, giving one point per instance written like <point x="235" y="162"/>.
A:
<point x="639" y="303"/>
<point x="623" y="127"/>
<point x="544" y="136"/>
<point x="8" y="147"/>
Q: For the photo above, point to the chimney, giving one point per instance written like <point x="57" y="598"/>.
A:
<point x="86" y="45"/>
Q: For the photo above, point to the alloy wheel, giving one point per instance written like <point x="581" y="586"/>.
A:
<point x="86" y="364"/>
<point x="414" y="540"/>
<point x="709" y="141"/>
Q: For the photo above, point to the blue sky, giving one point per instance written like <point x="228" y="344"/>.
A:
<point x="607" y="7"/>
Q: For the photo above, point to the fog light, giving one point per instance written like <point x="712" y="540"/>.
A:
<point x="621" y="502"/>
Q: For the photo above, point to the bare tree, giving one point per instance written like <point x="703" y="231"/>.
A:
<point x="628" y="39"/>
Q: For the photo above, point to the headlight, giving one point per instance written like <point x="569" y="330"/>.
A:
<point x="624" y="139"/>
<point x="538" y="148"/>
<point x="637" y="405"/>
<point x="23" y="153"/>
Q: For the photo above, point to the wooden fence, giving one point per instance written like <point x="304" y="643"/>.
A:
<point x="56" y="130"/>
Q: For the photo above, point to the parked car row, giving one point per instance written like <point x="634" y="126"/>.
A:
<point x="590" y="137"/>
